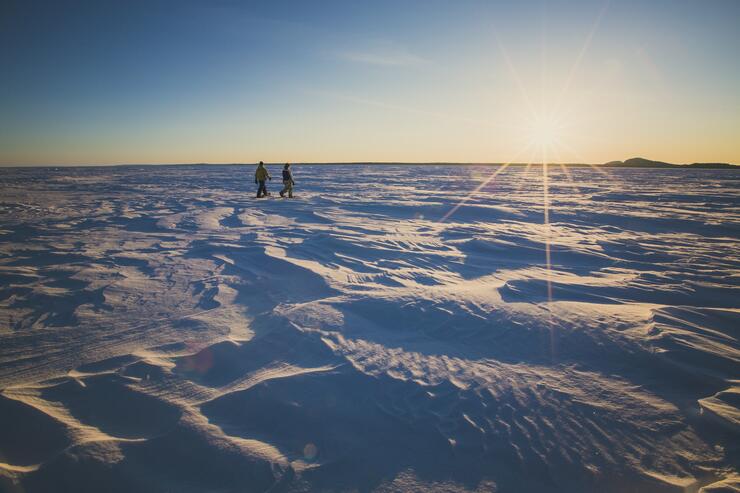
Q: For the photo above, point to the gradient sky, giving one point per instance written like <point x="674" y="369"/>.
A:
<point x="105" y="82"/>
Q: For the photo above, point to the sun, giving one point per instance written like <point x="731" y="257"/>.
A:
<point x="544" y="131"/>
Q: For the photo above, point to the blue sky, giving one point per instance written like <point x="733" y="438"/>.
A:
<point x="159" y="82"/>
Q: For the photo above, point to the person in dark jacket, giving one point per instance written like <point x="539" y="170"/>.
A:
<point x="288" y="182"/>
<point x="260" y="176"/>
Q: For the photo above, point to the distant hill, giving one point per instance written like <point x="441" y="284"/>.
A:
<point x="712" y="165"/>
<point x="639" y="162"/>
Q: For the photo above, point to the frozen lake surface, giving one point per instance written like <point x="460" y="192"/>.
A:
<point x="163" y="330"/>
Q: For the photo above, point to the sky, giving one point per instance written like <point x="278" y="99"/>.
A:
<point x="111" y="82"/>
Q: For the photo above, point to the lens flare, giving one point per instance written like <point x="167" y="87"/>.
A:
<point x="544" y="135"/>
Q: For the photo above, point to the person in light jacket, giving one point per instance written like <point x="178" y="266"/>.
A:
<point x="260" y="176"/>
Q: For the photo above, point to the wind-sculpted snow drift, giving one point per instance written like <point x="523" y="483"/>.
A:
<point x="162" y="330"/>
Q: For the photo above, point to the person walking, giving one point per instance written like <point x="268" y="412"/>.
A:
<point x="260" y="176"/>
<point x="288" y="182"/>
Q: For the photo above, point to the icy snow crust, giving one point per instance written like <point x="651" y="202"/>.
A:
<point x="162" y="330"/>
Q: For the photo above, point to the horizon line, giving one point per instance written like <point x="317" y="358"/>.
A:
<point x="380" y="163"/>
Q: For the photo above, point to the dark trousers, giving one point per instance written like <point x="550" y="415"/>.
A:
<point x="261" y="189"/>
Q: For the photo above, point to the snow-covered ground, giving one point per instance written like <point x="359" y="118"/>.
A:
<point x="163" y="330"/>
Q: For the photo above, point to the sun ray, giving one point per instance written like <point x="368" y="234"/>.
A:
<point x="570" y="181"/>
<point x="482" y="185"/>
<point x="530" y="161"/>
<point x="475" y="191"/>
<point x="566" y="171"/>
<point x="545" y="130"/>
<point x="548" y="253"/>
<point x="517" y="80"/>
<point x="576" y="65"/>
<point x="576" y="154"/>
